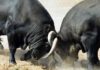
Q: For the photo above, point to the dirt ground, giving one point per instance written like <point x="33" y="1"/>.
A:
<point x="26" y="65"/>
<point x="21" y="65"/>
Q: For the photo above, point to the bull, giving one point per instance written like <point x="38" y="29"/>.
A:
<point x="81" y="27"/>
<point x="26" y="23"/>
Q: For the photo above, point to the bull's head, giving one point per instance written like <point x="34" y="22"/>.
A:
<point x="44" y="49"/>
<point x="48" y="47"/>
<point x="45" y="56"/>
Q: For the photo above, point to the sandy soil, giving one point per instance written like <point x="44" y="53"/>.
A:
<point x="26" y="65"/>
<point x="21" y="65"/>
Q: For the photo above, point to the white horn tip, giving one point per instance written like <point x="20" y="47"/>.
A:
<point x="52" y="48"/>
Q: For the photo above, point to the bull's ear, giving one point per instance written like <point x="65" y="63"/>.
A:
<point x="88" y="39"/>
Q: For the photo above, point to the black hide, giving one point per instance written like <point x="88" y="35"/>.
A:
<point x="81" y="26"/>
<point x="26" y="23"/>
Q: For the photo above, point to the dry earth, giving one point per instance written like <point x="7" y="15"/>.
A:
<point x="26" y="65"/>
<point x="21" y="65"/>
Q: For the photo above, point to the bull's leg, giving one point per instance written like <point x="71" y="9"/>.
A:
<point x="1" y="46"/>
<point x="93" y="55"/>
<point x="12" y="55"/>
<point x="89" y="41"/>
<point x="12" y="47"/>
<point x="77" y="49"/>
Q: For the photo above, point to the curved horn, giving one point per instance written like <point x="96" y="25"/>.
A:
<point x="51" y="35"/>
<point x="52" y="48"/>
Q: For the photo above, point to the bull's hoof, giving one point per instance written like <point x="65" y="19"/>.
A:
<point x="94" y="66"/>
<point x="97" y="64"/>
<point x="94" y="62"/>
<point x="12" y="62"/>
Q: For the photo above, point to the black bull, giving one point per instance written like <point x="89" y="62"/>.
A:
<point x="81" y="27"/>
<point x="26" y="23"/>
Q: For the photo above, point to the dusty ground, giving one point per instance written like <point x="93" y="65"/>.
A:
<point x="25" y="65"/>
<point x="21" y="65"/>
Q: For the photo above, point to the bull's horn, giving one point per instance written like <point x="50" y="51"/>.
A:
<point x="52" y="48"/>
<point x="51" y="34"/>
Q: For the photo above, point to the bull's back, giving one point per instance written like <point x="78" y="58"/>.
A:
<point x="73" y="22"/>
